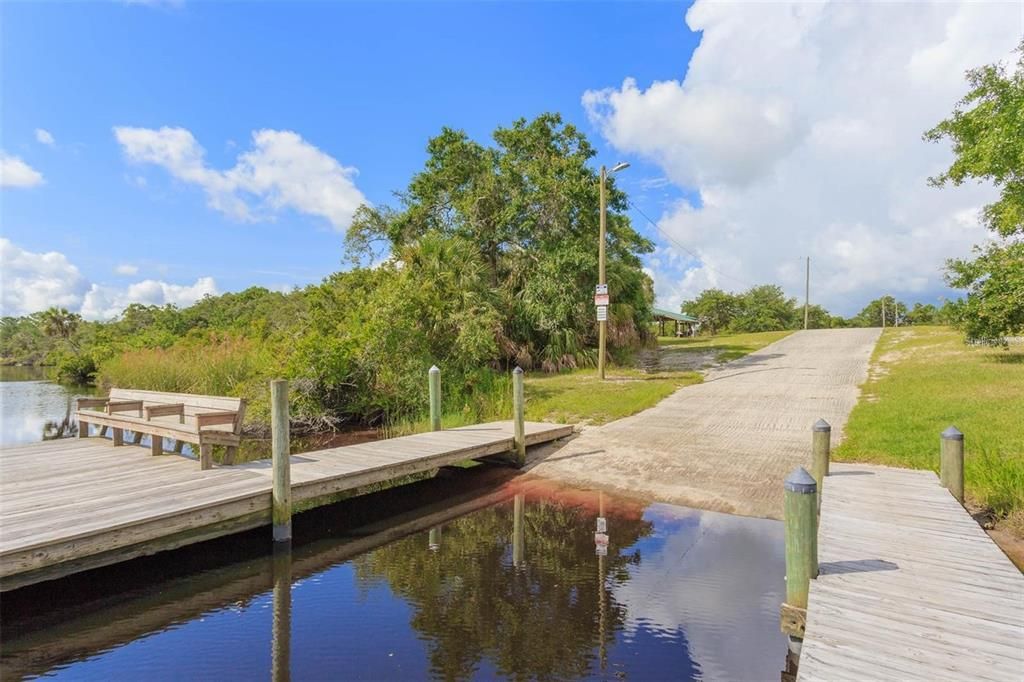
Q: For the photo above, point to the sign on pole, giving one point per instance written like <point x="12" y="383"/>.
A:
<point x="600" y="299"/>
<point x="602" y="313"/>
<point x="601" y="289"/>
<point x="602" y="524"/>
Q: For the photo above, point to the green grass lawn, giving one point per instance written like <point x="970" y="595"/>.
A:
<point x="580" y="396"/>
<point x="924" y="379"/>
<point x="728" y="346"/>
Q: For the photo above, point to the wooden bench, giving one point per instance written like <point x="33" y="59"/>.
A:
<point x="202" y="420"/>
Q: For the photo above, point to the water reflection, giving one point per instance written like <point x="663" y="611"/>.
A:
<point x="507" y="580"/>
<point x="33" y="408"/>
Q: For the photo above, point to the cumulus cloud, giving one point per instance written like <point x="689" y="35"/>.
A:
<point x="44" y="136"/>
<point x="102" y="302"/>
<point x="126" y="269"/>
<point x="31" y="282"/>
<point x="799" y="126"/>
<point x="36" y="281"/>
<point x="16" y="173"/>
<point x="281" y="171"/>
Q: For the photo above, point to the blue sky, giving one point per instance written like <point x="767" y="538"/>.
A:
<point x="751" y="155"/>
<point x="365" y="83"/>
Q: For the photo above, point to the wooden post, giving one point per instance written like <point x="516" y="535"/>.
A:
<point x="951" y="464"/>
<point x="435" y="398"/>
<point x="821" y="447"/>
<point x="83" y="429"/>
<point x="118" y="436"/>
<point x="518" y="533"/>
<point x="519" y="417"/>
<point x="801" y="512"/>
<point x="281" y="641"/>
<point x="205" y="456"/>
<point x="281" y="456"/>
<point x="156" y="445"/>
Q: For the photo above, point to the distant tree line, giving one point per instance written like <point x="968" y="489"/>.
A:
<point x="766" y="308"/>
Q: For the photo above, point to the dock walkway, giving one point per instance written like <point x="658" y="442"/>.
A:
<point x="910" y="587"/>
<point x="74" y="504"/>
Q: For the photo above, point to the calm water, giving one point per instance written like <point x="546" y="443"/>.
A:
<point x="33" y="408"/>
<point x="474" y="574"/>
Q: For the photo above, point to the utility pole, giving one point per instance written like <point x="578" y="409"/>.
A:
<point x="603" y="324"/>
<point x="883" y="312"/>
<point x="896" y="307"/>
<point x="807" y="293"/>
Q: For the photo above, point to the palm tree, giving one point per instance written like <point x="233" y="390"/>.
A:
<point x="59" y="322"/>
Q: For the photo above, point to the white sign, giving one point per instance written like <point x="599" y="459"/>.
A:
<point x="601" y="289"/>
<point x="600" y="299"/>
<point x="601" y="550"/>
<point x="602" y="313"/>
<point x="600" y="539"/>
<point x="602" y="524"/>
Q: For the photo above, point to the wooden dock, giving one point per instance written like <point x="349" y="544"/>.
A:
<point x="71" y="505"/>
<point x="910" y="587"/>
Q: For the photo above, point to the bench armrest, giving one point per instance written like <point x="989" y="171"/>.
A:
<point x="91" y="402"/>
<point x="165" y="410"/>
<point x="124" y="406"/>
<point x="213" y="418"/>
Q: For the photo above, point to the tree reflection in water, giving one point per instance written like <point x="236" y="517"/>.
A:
<point x="545" y="614"/>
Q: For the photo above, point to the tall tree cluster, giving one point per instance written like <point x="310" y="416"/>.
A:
<point x="986" y="130"/>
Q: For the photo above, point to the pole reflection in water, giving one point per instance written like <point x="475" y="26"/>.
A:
<point x="281" y="643"/>
<point x="601" y="549"/>
<point x="434" y="539"/>
<point x="518" y="534"/>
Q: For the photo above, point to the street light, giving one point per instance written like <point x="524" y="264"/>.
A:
<point x="602" y="281"/>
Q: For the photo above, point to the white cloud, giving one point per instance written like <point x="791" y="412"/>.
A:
<point x="800" y="127"/>
<point x="16" y="173"/>
<point x="126" y="269"/>
<point x="44" y="136"/>
<point x="31" y="282"/>
<point x="102" y="302"/>
<point x="281" y="171"/>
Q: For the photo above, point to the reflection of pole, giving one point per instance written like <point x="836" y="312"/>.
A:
<point x="281" y="645"/>
<point x="518" y="532"/>
<point x="602" y="608"/>
<point x="434" y="539"/>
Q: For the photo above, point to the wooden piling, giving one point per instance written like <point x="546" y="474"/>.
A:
<point x="518" y="532"/>
<point x="156" y="445"/>
<point x="435" y="398"/>
<point x="821" y="447"/>
<point x="801" y="511"/>
<point x="951" y="462"/>
<point x="281" y="638"/>
<point x="281" y="512"/>
<point x="118" y="436"/>
<point x="83" y="429"/>
<point x="519" y="417"/>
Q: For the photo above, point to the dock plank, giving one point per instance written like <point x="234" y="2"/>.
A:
<point x="78" y="503"/>
<point x="911" y="588"/>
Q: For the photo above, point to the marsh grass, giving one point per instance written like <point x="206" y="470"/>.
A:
<point x="922" y="380"/>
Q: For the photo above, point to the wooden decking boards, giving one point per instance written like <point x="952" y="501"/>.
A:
<point x="910" y="587"/>
<point x="72" y="504"/>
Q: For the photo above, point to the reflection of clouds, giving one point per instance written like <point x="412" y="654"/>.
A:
<point x="26" y="406"/>
<point x="719" y="579"/>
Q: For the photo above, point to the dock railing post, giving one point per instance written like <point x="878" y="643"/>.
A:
<point x="281" y="454"/>
<point x="519" y="416"/>
<point x="801" y="528"/>
<point x="435" y="398"/>
<point x="821" y="446"/>
<point x="951" y="462"/>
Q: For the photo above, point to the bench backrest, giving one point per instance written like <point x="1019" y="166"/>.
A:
<point x="194" y="404"/>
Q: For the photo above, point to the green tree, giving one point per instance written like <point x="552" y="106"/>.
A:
<point x="714" y="309"/>
<point x="895" y="313"/>
<point x="766" y="308"/>
<point x="529" y="207"/>
<point x="59" y="323"/>
<point x="923" y="313"/>
<point x="987" y="134"/>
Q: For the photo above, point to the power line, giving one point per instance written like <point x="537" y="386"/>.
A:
<point x="695" y="256"/>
